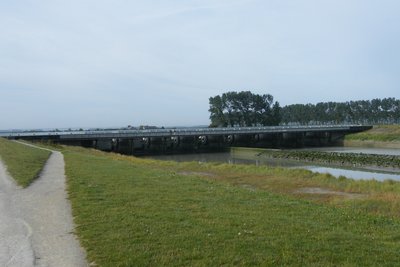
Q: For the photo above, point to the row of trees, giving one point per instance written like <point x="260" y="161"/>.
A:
<point x="248" y="109"/>
<point x="243" y="109"/>
<point x="376" y="111"/>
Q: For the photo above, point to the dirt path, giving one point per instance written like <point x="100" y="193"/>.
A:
<point x="36" y="223"/>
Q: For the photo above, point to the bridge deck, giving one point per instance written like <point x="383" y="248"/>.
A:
<point x="106" y="134"/>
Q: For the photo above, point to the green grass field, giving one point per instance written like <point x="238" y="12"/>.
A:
<point x="23" y="163"/>
<point x="135" y="212"/>
<point x="380" y="133"/>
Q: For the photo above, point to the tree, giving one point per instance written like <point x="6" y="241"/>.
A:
<point x="217" y="112"/>
<point x="243" y="109"/>
<point x="276" y="114"/>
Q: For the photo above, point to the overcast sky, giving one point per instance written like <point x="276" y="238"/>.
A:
<point x="102" y="63"/>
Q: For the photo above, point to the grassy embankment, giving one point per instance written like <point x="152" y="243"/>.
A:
<point x="24" y="163"/>
<point x="136" y="212"/>
<point x="385" y="136"/>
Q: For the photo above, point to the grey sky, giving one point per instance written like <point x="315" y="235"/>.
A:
<point x="99" y="63"/>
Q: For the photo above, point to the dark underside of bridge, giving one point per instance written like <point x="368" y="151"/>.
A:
<point x="200" y="143"/>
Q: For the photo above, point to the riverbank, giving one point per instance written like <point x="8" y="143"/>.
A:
<point x="132" y="211"/>
<point x="380" y="136"/>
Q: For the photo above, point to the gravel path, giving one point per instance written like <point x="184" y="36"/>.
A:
<point x="36" y="223"/>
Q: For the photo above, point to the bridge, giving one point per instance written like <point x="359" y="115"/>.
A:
<point x="194" y="139"/>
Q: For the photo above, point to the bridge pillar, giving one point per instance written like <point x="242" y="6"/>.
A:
<point x="243" y="139"/>
<point x="175" y="141"/>
<point x="104" y="144"/>
<point x="229" y="139"/>
<point x="114" y="144"/>
<point x="216" y="143"/>
<point x="125" y="146"/>
<point x="187" y="143"/>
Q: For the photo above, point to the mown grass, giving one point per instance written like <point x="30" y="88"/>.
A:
<point x="380" y="133"/>
<point x="135" y="212"/>
<point x="24" y="163"/>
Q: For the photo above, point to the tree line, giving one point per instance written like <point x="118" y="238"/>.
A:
<point x="376" y="111"/>
<point x="247" y="109"/>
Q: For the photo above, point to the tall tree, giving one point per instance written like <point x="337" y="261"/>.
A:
<point x="217" y="112"/>
<point x="243" y="109"/>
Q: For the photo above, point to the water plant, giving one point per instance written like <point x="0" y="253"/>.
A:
<point x="345" y="159"/>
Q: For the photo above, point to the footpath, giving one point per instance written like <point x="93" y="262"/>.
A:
<point x="36" y="226"/>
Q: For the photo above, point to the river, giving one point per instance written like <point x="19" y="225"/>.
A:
<point x="352" y="173"/>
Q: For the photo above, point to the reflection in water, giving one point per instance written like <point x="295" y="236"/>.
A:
<point x="356" y="174"/>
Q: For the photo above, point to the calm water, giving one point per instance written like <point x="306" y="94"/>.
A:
<point x="357" y="174"/>
<point x="354" y="174"/>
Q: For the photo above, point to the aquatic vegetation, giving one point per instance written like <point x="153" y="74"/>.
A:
<point x="344" y="159"/>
